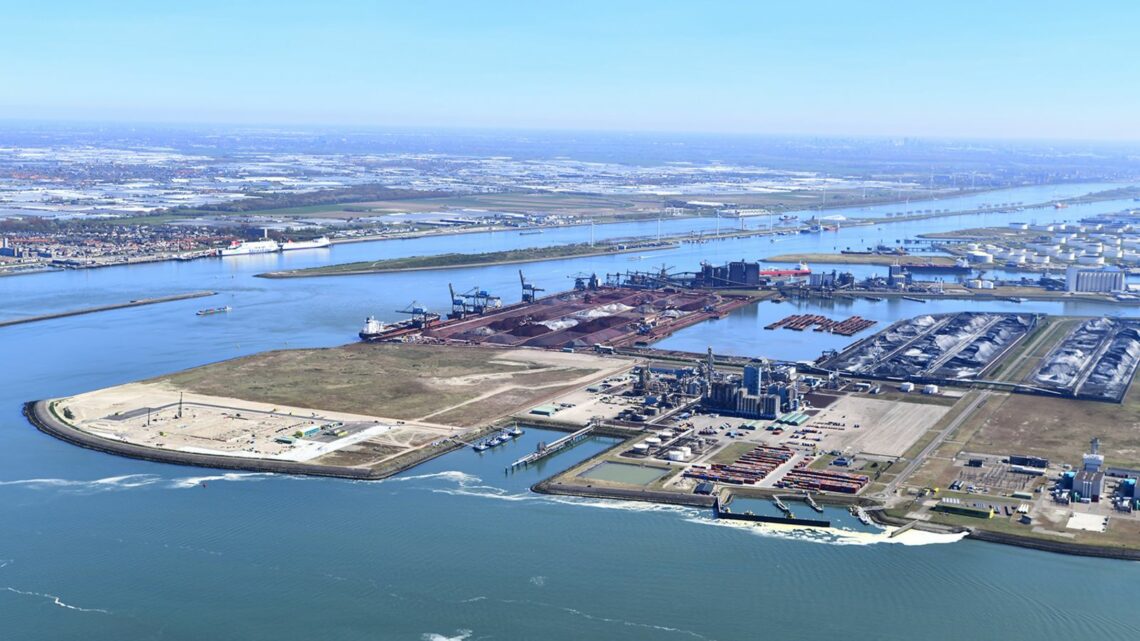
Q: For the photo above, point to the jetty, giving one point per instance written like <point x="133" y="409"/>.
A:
<point x="546" y="449"/>
<point x="812" y="504"/>
<point x="902" y="529"/>
<point x="103" y="308"/>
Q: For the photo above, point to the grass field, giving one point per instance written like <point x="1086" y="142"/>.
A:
<point x="397" y="381"/>
<point x="1059" y="428"/>
<point x="440" y="261"/>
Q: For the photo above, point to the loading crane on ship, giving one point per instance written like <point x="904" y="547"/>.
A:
<point x="584" y="281"/>
<point x="529" y="291"/>
<point x="421" y="316"/>
<point x="474" y="301"/>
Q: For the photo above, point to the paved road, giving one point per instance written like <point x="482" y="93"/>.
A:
<point x="889" y="490"/>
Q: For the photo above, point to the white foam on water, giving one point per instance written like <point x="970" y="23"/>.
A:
<point x="132" y="481"/>
<point x="194" y="481"/>
<point x="538" y="581"/>
<point x="450" y="475"/>
<point x="485" y="492"/>
<point x="618" y="504"/>
<point x="57" y="601"/>
<point x="461" y="635"/>
<point x="125" y="482"/>
<point x="833" y="536"/>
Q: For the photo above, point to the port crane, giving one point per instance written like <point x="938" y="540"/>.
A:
<point x="584" y="281"/>
<point x="473" y="301"/>
<point x="421" y="316"/>
<point x="529" y="291"/>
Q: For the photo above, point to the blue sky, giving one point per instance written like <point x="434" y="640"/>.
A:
<point x="996" y="69"/>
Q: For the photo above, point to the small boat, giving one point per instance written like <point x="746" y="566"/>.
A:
<point x="505" y="436"/>
<point x="495" y="441"/>
<point x="530" y="232"/>
<point x="481" y="446"/>
<point x="516" y="431"/>
<point x="214" y="310"/>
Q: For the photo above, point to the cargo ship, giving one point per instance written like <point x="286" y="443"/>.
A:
<point x="960" y="266"/>
<point x="242" y="248"/>
<point x="530" y="232"/>
<point x="1060" y="206"/>
<point x="214" y="310"/>
<point x="316" y="243"/>
<point x="373" y="329"/>
<point x="799" y="270"/>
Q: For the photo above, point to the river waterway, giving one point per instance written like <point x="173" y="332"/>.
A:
<point x="94" y="546"/>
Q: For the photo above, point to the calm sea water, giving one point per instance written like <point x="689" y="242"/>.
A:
<point x="99" y="547"/>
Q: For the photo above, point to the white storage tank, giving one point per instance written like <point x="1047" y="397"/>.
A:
<point x="676" y="455"/>
<point x="665" y="434"/>
<point x="906" y="387"/>
<point x="930" y="389"/>
<point x="686" y="450"/>
<point x="641" y="448"/>
<point x="1090" y="260"/>
<point x="653" y="441"/>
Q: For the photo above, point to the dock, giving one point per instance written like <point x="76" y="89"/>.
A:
<point x="903" y="529"/>
<point x="780" y="505"/>
<point x="723" y="512"/>
<point x="103" y="308"/>
<point x="545" y="449"/>
<point x="812" y="504"/>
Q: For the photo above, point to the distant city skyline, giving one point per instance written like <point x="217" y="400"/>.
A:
<point x="1046" y="70"/>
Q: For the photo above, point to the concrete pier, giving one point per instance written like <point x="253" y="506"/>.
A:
<point x="103" y="308"/>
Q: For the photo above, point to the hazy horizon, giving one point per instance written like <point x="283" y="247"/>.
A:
<point x="1018" y="71"/>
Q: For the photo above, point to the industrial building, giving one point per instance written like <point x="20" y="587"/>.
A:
<point x="1109" y="280"/>
<point x="749" y="396"/>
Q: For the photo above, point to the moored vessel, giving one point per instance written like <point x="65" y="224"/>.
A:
<point x="316" y="243"/>
<point x="242" y="248"/>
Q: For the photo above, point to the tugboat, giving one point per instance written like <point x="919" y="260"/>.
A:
<point x="494" y="441"/>
<point x="516" y="431"/>
<point x="481" y="446"/>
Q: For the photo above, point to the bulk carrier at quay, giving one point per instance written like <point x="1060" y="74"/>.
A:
<point x="960" y="266"/>
<point x="799" y="270"/>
